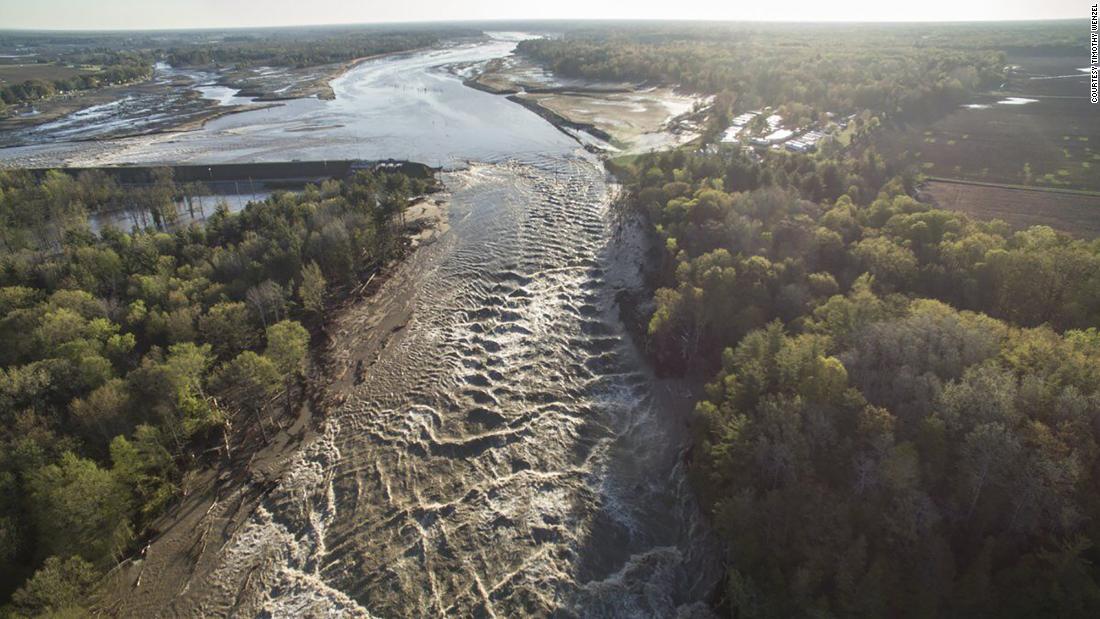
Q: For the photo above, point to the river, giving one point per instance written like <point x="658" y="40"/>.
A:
<point x="405" y="106"/>
<point x="509" y="453"/>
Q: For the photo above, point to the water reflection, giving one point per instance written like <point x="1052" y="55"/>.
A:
<point x="405" y="107"/>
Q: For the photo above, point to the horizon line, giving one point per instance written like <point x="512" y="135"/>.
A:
<point x="547" y="19"/>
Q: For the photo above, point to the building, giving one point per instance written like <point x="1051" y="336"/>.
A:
<point x="775" y="137"/>
<point x="805" y="143"/>
<point x="745" y="118"/>
<point x="730" y="134"/>
<point x="737" y="126"/>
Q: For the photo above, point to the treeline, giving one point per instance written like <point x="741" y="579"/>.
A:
<point x="110" y="69"/>
<point x="278" y="48"/>
<point x="905" y="419"/>
<point x="103" y="59"/>
<point x="127" y="356"/>
<point x="39" y="210"/>
<point x="896" y="72"/>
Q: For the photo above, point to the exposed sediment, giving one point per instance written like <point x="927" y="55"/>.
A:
<point x="504" y="452"/>
<point x="557" y="119"/>
<point x="170" y="576"/>
<point x="492" y="442"/>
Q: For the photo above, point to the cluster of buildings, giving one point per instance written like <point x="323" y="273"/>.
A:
<point x="775" y="136"/>
<point x="805" y="143"/>
<point x="737" y="126"/>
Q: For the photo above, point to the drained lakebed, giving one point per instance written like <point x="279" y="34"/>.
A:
<point x="507" y="452"/>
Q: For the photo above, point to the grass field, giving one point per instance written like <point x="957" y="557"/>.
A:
<point x="1051" y="142"/>
<point x="13" y="73"/>
<point x="1076" y="214"/>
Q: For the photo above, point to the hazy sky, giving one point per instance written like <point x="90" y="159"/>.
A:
<point x="93" y="14"/>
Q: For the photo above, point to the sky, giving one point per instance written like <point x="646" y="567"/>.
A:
<point x="156" y="14"/>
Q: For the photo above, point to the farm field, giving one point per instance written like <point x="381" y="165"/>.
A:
<point x="1038" y="129"/>
<point x="13" y="73"/>
<point x="1076" y="214"/>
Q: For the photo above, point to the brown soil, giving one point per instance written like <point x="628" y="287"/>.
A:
<point x="304" y="82"/>
<point x="58" y="107"/>
<point x="308" y="82"/>
<point x="218" y="500"/>
<point x="12" y="73"/>
<point x="1076" y="214"/>
<point x="62" y="105"/>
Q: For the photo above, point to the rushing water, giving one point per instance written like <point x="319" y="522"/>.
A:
<point x="508" y="454"/>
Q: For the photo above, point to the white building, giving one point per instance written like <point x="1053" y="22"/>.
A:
<point x="745" y="118"/>
<point x="778" y="136"/>
<point x="737" y="126"/>
<point x="807" y="142"/>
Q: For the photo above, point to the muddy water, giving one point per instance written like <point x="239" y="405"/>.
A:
<point x="508" y="454"/>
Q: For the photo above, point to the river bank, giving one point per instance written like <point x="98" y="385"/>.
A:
<point x="217" y="501"/>
<point x="401" y="106"/>
<point x="624" y="118"/>
<point x="274" y="84"/>
<point x="106" y="113"/>
<point x="485" y="419"/>
<point x="174" y="100"/>
<point x="495" y="443"/>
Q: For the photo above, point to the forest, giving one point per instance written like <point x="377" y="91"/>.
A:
<point x="897" y="407"/>
<point x="295" y="48"/>
<point x="105" y="59"/>
<point x="902" y="410"/>
<point x="814" y="70"/>
<point x="900" y="73"/>
<point x="902" y="406"/>
<point x="109" y="68"/>
<point x="130" y="356"/>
